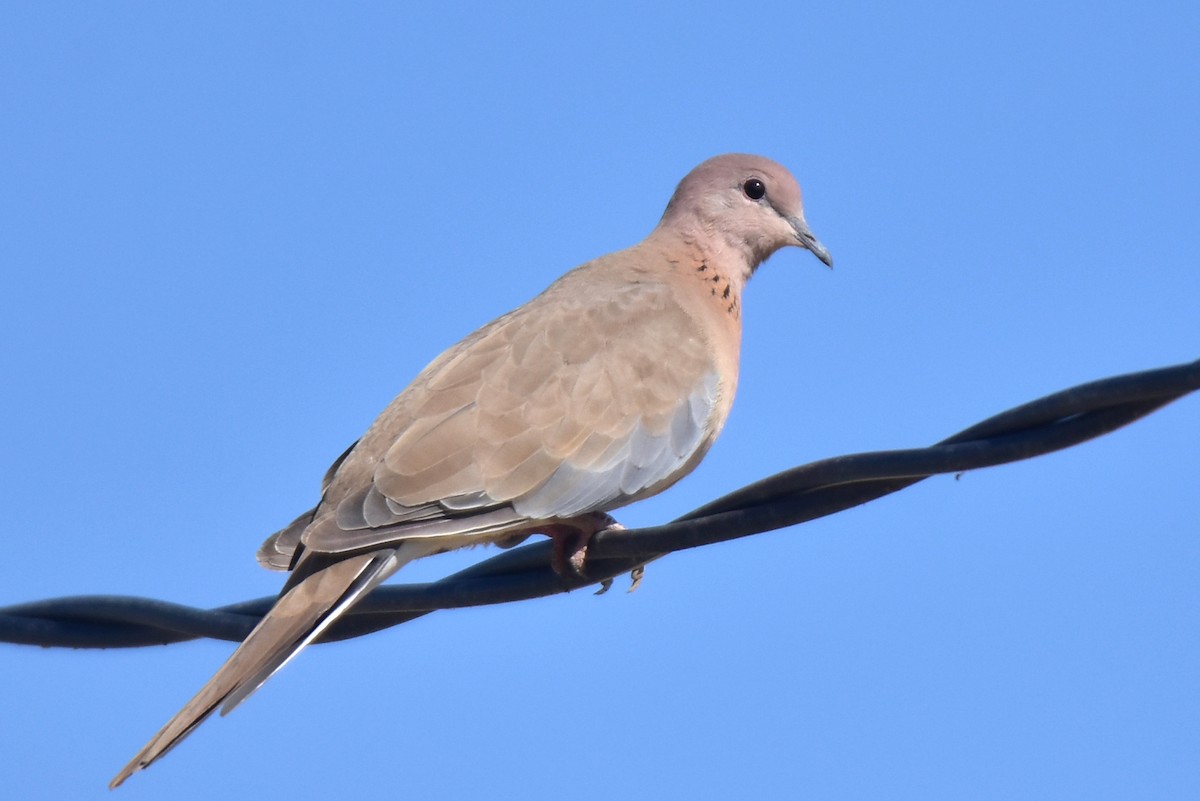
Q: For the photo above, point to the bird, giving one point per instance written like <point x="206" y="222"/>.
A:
<point x="606" y="388"/>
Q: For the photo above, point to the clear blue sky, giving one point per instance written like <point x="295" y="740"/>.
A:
<point x="231" y="233"/>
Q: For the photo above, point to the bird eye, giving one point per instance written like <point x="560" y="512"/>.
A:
<point x="755" y="189"/>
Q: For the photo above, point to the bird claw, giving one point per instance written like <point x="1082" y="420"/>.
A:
<point x="635" y="581"/>
<point x="635" y="577"/>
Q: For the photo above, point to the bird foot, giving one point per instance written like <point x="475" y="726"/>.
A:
<point x="571" y="541"/>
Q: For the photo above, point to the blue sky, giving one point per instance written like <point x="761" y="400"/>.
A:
<point x="232" y="233"/>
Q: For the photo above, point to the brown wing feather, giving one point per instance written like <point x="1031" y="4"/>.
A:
<point x="539" y="411"/>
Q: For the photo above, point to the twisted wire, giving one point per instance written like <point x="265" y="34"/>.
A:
<point x="791" y="497"/>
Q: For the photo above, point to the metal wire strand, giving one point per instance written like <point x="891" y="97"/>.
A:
<point x="794" y="496"/>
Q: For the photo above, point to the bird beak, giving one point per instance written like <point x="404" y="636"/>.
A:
<point x="806" y="240"/>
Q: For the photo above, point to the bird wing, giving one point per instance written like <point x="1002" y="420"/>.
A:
<point x="573" y="403"/>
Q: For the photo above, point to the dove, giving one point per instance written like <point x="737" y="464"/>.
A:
<point x="606" y="388"/>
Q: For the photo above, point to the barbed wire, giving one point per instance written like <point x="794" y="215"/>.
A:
<point x="794" y="496"/>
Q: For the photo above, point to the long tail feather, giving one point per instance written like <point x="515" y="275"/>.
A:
<point x="300" y="615"/>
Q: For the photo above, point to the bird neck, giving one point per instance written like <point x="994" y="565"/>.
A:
<point x="734" y="259"/>
<point x="720" y="269"/>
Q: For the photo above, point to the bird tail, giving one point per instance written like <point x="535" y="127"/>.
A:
<point x="307" y="606"/>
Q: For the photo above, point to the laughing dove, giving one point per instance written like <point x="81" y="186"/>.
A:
<point x="606" y="388"/>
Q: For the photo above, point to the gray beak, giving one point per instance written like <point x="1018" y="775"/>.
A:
<point x="806" y="240"/>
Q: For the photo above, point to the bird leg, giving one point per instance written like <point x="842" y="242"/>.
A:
<point x="512" y="540"/>
<point x="571" y="542"/>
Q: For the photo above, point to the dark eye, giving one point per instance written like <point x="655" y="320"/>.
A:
<point x="755" y="189"/>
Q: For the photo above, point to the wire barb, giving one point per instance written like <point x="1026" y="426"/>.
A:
<point x="794" y="496"/>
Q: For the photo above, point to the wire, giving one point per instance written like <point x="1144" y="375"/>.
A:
<point x="794" y="496"/>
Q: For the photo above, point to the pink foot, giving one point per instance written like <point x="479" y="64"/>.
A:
<point x="571" y="542"/>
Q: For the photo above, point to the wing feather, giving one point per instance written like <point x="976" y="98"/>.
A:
<point x="549" y="412"/>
